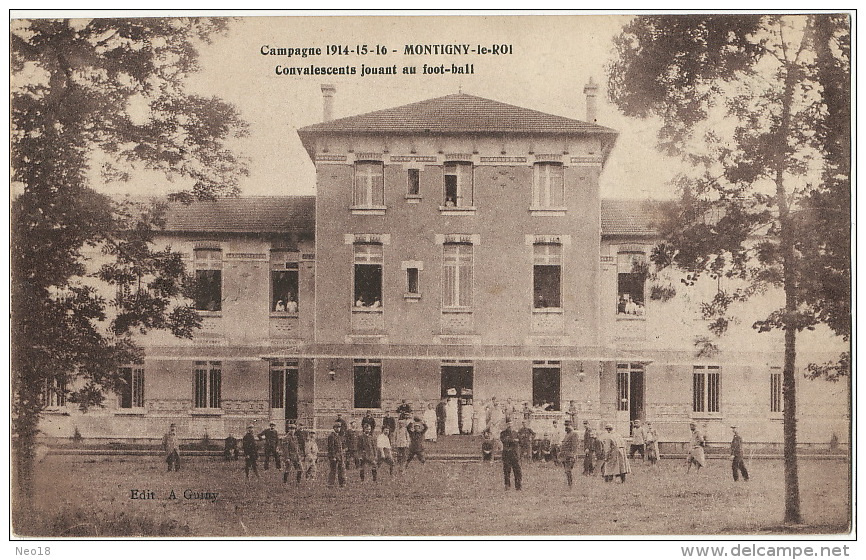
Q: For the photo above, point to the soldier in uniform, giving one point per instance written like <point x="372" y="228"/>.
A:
<point x="526" y="436"/>
<point x="638" y="441"/>
<point x="292" y="454"/>
<point x="697" y="441"/>
<point x="588" y="449"/>
<point x="367" y="452"/>
<point x="352" y="437"/>
<point x="737" y="464"/>
<point x="251" y="452"/>
<point x="568" y="451"/>
<point x="337" y="456"/>
<point x="511" y="455"/>
<point x="171" y="444"/>
<point x="272" y="444"/>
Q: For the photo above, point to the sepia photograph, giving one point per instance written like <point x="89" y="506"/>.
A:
<point x="432" y="275"/>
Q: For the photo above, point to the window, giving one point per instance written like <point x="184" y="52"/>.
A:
<point x="457" y="275"/>
<point x="209" y="280"/>
<point x="280" y="370"/>
<point x="547" y="189"/>
<point x="368" y="383"/>
<point x="706" y="383"/>
<point x="776" y="402"/>
<point x="412" y="285"/>
<point x="54" y="392"/>
<point x="368" y="275"/>
<point x="458" y="185"/>
<point x="547" y="275"/>
<point x="631" y="278"/>
<point x="623" y="372"/>
<point x="284" y="282"/>
<point x="369" y="184"/>
<point x="546" y="377"/>
<point x="414" y="182"/>
<point x="132" y="393"/>
<point x="208" y="385"/>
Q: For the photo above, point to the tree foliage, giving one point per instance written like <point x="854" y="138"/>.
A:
<point x="102" y="95"/>
<point x="758" y="106"/>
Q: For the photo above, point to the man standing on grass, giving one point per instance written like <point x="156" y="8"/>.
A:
<point x="292" y="454"/>
<point x="638" y="441"/>
<point x="615" y="458"/>
<point x="272" y="444"/>
<point x="416" y="429"/>
<point x="352" y="437"/>
<point x="251" y="452"/>
<point x="511" y="455"/>
<point x="526" y="436"/>
<point x="383" y="449"/>
<point x="337" y="456"/>
<point x="589" y="450"/>
<point x="737" y="464"/>
<point x="171" y="444"/>
<point x="697" y="441"/>
<point x="568" y="451"/>
<point x="367" y="452"/>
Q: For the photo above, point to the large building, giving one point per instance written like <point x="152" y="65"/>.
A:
<point x="456" y="247"/>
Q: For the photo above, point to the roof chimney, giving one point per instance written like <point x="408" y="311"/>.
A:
<point x="590" y="90"/>
<point x="328" y="91"/>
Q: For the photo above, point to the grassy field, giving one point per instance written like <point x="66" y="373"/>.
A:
<point x="83" y="496"/>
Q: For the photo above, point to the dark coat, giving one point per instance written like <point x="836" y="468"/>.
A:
<point x="336" y="446"/>
<point x="510" y="443"/>
<point x="251" y="449"/>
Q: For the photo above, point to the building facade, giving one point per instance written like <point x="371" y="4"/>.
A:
<point x="456" y="247"/>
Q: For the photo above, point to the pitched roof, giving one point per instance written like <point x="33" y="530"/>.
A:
<point x="282" y="214"/>
<point x="459" y="112"/>
<point x="629" y="217"/>
<point x="254" y="214"/>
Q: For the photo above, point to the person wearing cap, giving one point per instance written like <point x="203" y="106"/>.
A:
<point x="171" y="445"/>
<point x="352" y="435"/>
<point x="272" y="444"/>
<point x="697" y="442"/>
<point x="652" y="443"/>
<point x="292" y="454"/>
<point x="568" y="451"/>
<point x="251" y="452"/>
<point x="615" y="458"/>
<point x="638" y="441"/>
<point x="588" y="449"/>
<point x="367" y="452"/>
<point x="737" y="464"/>
<point x="337" y="456"/>
<point x="368" y="420"/>
<point x="511" y="455"/>
<point x="416" y="430"/>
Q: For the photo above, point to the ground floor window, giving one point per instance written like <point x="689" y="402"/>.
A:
<point x="706" y="386"/>
<point x="132" y="392"/>
<point x="776" y="403"/>
<point x="368" y="383"/>
<point x="546" y="377"/>
<point x="207" y="388"/>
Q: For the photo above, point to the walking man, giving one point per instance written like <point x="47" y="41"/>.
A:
<point x="737" y="464"/>
<point x="697" y="441"/>
<point x="568" y="451"/>
<point x="292" y="454"/>
<point x="251" y="452"/>
<point x="511" y="455"/>
<point x="171" y="444"/>
<point x="367" y="452"/>
<point x="272" y="444"/>
<point x="337" y="456"/>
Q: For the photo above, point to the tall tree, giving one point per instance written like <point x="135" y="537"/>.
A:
<point x="100" y="95"/>
<point x="759" y="107"/>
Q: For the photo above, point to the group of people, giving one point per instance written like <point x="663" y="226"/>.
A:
<point x="456" y="414"/>
<point x="286" y="305"/>
<point x="401" y="440"/>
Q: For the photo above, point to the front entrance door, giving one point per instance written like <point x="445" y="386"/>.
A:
<point x="457" y="385"/>
<point x="284" y="390"/>
<point x="630" y="395"/>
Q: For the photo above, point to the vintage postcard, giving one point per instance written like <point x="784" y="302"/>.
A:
<point x="444" y="275"/>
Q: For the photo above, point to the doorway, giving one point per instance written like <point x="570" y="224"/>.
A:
<point x="284" y="390"/>
<point x="630" y="380"/>
<point x="457" y="380"/>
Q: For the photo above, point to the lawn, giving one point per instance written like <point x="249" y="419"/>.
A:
<point x="78" y="493"/>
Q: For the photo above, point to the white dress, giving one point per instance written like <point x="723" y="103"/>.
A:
<point x="452" y="427"/>
<point x="430" y="420"/>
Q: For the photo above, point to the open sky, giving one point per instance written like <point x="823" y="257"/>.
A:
<point x="553" y="58"/>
